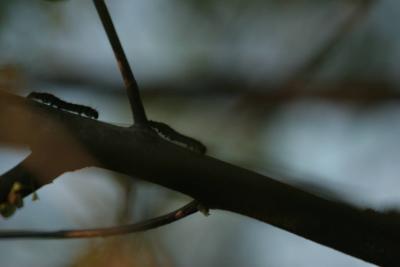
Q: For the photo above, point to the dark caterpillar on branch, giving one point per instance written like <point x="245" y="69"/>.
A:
<point x="55" y="102"/>
<point x="169" y="134"/>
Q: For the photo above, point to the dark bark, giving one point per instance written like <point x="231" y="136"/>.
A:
<point x="364" y="234"/>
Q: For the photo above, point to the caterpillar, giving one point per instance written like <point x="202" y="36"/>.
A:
<point x="55" y="102"/>
<point x="169" y="134"/>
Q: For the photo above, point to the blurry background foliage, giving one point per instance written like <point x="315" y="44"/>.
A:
<point x="289" y="88"/>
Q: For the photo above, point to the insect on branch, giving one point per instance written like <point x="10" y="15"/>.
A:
<point x="8" y="207"/>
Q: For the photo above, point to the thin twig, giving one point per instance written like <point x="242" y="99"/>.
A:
<point x="131" y="85"/>
<point x="176" y="215"/>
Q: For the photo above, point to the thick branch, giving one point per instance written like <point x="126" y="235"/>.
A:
<point x="365" y="234"/>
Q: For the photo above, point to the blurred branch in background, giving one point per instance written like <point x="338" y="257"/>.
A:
<point x="202" y="71"/>
<point x="303" y="74"/>
<point x="209" y="74"/>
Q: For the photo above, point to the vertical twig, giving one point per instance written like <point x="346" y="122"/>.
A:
<point x="138" y="112"/>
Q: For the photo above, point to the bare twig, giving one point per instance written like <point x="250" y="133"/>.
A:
<point x="140" y="119"/>
<point x="131" y="85"/>
<point x="153" y="223"/>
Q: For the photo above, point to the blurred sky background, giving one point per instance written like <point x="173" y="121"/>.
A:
<point x="304" y="91"/>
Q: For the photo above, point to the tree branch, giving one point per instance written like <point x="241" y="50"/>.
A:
<point x="135" y="151"/>
<point x="104" y="232"/>
<point x="131" y="85"/>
